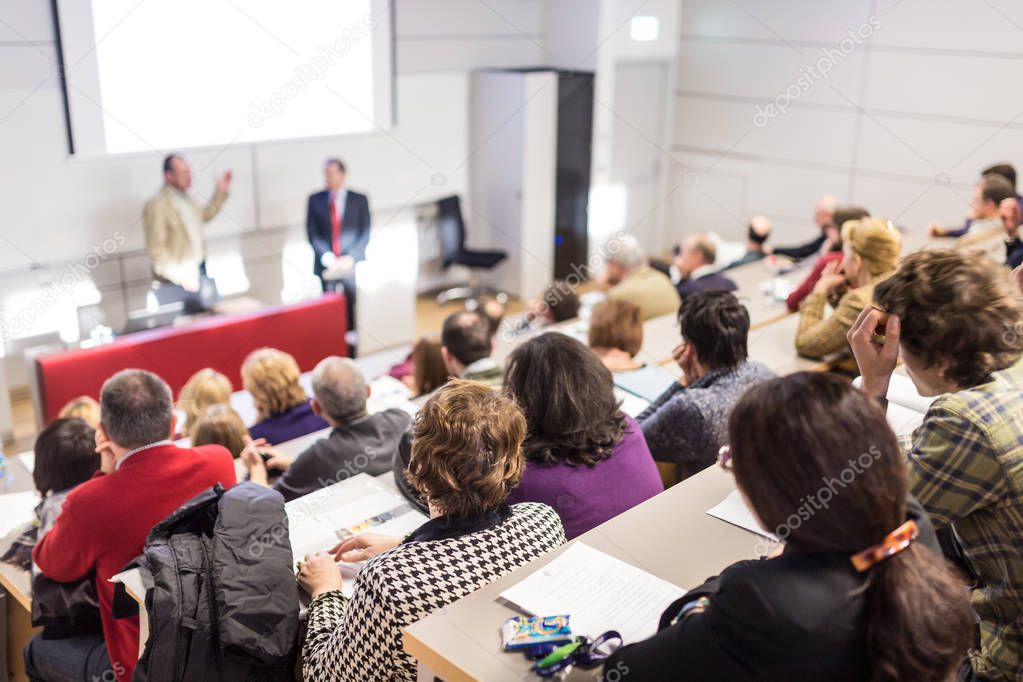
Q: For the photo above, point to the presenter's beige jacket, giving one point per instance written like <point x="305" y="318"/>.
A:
<point x="174" y="242"/>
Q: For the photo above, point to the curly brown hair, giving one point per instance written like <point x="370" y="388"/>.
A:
<point x="467" y="448"/>
<point x="272" y="377"/>
<point x="616" y="324"/>
<point x="959" y="307"/>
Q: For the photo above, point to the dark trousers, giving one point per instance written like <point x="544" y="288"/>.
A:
<point x="75" y="659"/>
<point x="345" y="285"/>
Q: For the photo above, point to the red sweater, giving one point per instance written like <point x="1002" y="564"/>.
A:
<point x="804" y="289"/>
<point x="105" y="521"/>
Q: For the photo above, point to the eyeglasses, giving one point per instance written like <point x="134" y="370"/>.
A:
<point x="725" y="457"/>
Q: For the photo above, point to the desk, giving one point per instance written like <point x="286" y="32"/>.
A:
<point x="669" y="536"/>
<point x="18" y="585"/>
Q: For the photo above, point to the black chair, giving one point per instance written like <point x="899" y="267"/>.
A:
<point x="452" y="242"/>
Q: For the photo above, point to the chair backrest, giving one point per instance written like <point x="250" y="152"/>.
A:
<point x="451" y="229"/>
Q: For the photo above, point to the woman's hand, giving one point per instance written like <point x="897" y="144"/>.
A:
<point x="876" y="356"/>
<point x="318" y="573"/>
<point x="254" y="461"/>
<point x="831" y="279"/>
<point x="363" y="546"/>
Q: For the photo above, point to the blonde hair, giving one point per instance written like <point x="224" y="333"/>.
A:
<point x="204" y="388"/>
<point x="83" y="407"/>
<point x="271" y="376"/>
<point x="875" y="241"/>
<point x="220" y="425"/>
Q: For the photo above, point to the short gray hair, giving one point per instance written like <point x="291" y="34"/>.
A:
<point x="339" y="388"/>
<point x="625" y="250"/>
<point x="136" y="408"/>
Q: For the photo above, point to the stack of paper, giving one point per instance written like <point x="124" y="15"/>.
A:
<point x="598" y="592"/>
<point x="17" y="510"/>
<point x="647" y="382"/>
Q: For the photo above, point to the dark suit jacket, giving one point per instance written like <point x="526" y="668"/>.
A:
<point x="803" y="250"/>
<point x="713" y="281"/>
<point x="354" y="227"/>
<point x="796" y="617"/>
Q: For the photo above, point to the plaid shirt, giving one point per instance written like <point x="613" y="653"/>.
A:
<point x="966" y="468"/>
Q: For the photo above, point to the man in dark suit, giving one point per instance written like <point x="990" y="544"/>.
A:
<point x="337" y="224"/>
<point x="695" y="264"/>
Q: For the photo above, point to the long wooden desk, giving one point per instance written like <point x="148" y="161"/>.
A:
<point x="669" y="535"/>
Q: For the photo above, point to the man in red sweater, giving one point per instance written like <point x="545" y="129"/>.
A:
<point x="105" y="521"/>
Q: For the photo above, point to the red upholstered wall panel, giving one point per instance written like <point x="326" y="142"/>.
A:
<point x="310" y="331"/>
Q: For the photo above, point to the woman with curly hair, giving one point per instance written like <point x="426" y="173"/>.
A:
<point x="272" y="377"/>
<point x="584" y="456"/>
<point x="466" y="456"/>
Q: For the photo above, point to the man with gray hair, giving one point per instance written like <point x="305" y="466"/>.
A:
<point x="104" y="522"/>
<point x="632" y="279"/>
<point x="359" y="442"/>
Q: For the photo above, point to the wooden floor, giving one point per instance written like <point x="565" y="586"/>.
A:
<point x="429" y="318"/>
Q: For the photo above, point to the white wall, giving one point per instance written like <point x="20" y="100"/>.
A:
<point x="902" y="125"/>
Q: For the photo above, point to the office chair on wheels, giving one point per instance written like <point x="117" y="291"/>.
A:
<point x="452" y="241"/>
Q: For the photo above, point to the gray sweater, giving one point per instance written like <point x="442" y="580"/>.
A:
<point x="688" y="424"/>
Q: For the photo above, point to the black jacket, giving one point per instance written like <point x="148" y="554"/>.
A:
<point x="354" y="227"/>
<point x="712" y="281"/>
<point x="803" y="250"/>
<point x="793" y="618"/>
<point x="223" y="604"/>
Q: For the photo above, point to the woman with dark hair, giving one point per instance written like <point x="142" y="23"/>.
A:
<point x="584" y="456"/>
<point x="855" y="594"/>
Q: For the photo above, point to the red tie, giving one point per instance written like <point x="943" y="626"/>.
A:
<point x="335" y="223"/>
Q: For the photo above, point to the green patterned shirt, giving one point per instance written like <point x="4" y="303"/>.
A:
<point x="966" y="468"/>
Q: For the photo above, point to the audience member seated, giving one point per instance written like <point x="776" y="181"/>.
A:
<point x="221" y="425"/>
<point x="466" y="457"/>
<point x="65" y="457"/>
<point x="1004" y="170"/>
<point x="83" y="407"/>
<point x="584" y="456"/>
<point x="870" y="253"/>
<point x="616" y="334"/>
<point x="204" y="388"/>
<point x="696" y="270"/>
<point x="824" y="217"/>
<point x="359" y="442"/>
<point x="685" y="426"/>
<point x="955" y="319"/>
<point x="629" y="277"/>
<point x="857" y="592"/>
<point x="466" y="346"/>
<point x="1009" y="214"/>
<point x="559" y="302"/>
<point x="105" y="521"/>
<point x="831" y="253"/>
<point x="284" y="411"/>
<point x="757" y="233"/>
<point x="428" y="369"/>
<point x="493" y="310"/>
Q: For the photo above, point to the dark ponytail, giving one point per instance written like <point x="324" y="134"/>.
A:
<point x="789" y="435"/>
<point x="918" y="617"/>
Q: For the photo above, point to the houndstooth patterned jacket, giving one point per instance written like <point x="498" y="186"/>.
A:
<point x="360" y="639"/>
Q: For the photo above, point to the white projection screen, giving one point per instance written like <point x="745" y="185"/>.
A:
<point x="176" y="74"/>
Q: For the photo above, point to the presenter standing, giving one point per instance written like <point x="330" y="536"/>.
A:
<point x="174" y="229"/>
<point x="337" y="224"/>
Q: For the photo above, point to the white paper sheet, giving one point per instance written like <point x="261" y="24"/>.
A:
<point x="29" y="460"/>
<point x="598" y="591"/>
<point x="17" y="510"/>
<point x="631" y="405"/>
<point x="646" y="382"/>
<point x="733" y="510"/>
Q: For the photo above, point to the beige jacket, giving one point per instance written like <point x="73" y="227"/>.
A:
<point x="167" y="237"/>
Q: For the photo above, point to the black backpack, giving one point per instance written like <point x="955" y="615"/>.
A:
<point x="223" y="603"/>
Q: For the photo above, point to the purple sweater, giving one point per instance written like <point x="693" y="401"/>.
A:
<point x="585" y="496"/>
<point x="294" y="423"/>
